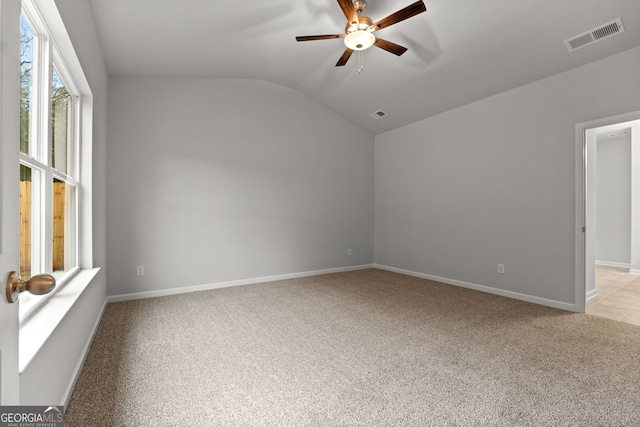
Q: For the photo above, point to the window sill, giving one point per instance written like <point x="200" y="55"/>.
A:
<point x="33" y="302"/>
<point x="36" y="329"/>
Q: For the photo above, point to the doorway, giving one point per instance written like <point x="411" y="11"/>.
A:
<point x="608" y="207"/>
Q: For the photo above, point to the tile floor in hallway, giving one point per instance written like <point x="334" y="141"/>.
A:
<point x="618" y="295"/>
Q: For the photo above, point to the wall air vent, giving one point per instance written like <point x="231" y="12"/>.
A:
<point x="589" y="37"/>
<point x="378" y="114"/>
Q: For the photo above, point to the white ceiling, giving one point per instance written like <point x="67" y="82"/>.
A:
<point x="459" y="50"/>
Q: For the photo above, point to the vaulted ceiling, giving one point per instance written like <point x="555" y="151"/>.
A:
<point x="459" y="50"/>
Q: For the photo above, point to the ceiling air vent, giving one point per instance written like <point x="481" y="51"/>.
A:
<point x="378" y="114"/>
<point x="589" y="37"/>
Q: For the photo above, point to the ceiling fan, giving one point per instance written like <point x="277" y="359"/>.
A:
<point x="359" y="29"/>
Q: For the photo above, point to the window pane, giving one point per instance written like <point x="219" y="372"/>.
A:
<point x="64" y="226"/>
<point x="26" y="86"/>
<point x="25" y="222"/>
<point x="61" y="125"/>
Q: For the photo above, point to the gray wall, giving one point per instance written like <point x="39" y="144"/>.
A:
<point x="613" y="202"/>
<point x="46" y="379"/>
<point x="223" y="180"/>
<point x="635" y="198"/>
<point x="494" y="182"/>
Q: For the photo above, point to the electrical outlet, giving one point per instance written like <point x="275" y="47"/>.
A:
<point x="140" y="270"/>
<point x="501" y="268"/>
<point x="349" y="252"/>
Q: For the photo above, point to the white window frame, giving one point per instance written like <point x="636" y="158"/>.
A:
<point x="56" y="50"/>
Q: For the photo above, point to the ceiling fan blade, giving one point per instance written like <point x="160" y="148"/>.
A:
<point x="349" y="11"/>
<point x="322" y="37"/>
<point x="401" y="15"/>
<point x="396" y="49"/>
<point x="344" y="58"/>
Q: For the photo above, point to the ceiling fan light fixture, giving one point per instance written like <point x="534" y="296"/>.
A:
<point x="359" y="40"/>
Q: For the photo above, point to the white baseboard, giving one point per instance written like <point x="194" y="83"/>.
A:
<point x="85" y="352"/>
<point x="613" y="264"/>
<point x="509" y="294"/>
<point x="591" y="294"/>
<point x="632" y="271"/>
<point x="207" y="287"/>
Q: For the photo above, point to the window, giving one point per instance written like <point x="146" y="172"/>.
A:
<point x="50" y="107"/>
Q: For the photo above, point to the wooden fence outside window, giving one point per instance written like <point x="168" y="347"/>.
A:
<point x="59" y="212"/>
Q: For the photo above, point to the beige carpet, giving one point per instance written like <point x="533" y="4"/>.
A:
<point x="369" y="348"/>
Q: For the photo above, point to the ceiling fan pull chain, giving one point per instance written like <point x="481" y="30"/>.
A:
<point x="361" y="67"/>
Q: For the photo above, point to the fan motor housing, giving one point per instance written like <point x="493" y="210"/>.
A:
<point x="364" y="22"/>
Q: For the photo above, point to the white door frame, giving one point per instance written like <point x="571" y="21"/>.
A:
<point x="584" y="210"/>
<point x="9" y="194"/>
